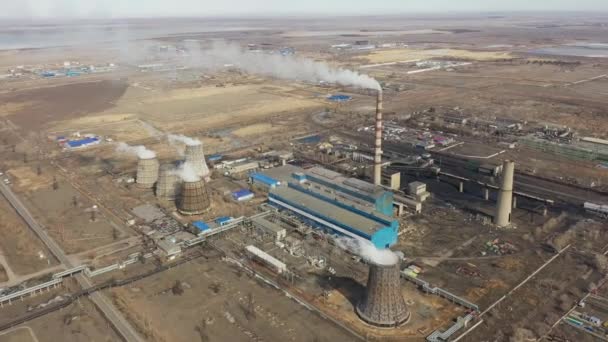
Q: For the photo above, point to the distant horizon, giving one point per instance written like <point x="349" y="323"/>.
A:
<point x="136" y="9"/>
<point x="310" y="15"/>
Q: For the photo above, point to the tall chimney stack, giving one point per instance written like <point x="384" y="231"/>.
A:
<point x="378" y="145"/>
<point x="505" y="195"/>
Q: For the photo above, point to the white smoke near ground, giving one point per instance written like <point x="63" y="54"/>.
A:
<point x="368" y="251"/>
<point x="174" y="138"/>
<point x="140" y="151"/>
<point x="187" y="173"/>
<point x="221" y="54"/>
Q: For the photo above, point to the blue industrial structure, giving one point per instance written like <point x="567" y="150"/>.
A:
<point x="242" y="195"/>
<point x="82" y="142"/>
<point x="381" y="200"/>
<point x="200" y="225"/>
<point x="223" y="220"/>
<point x="339" y="98"/>
<point x="215" y="157"/>
<point x="262" y="179"/>
<point x="339" y="205"/>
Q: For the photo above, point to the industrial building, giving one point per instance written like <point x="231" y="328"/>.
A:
<point x="264" y="181"/>
<point x="338" y="204"/>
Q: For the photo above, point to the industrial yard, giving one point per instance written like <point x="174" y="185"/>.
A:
<point x="406" y="182"/>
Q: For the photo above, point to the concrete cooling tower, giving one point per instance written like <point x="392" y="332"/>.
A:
<point x="194" y="199"/>
<point x="147" y="172"/>
<point x="196" y="158"/>
<point x="505" y="195"/>
<point x="169" y="184"/>
<point x="383" y="304"/>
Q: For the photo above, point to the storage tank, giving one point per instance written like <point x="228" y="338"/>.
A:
<point x="383" y="304"/>
<point x="169" y="184"/>
<point x="147" y="172"/>
<point x="194" y="198"/>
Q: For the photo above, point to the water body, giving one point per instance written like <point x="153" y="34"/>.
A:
<point x="595" y="50"/>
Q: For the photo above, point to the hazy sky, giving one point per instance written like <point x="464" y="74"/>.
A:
<point x="145" y="8"/>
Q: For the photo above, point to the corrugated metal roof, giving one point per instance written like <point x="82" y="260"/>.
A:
<point x="223" y="219"/>
<point x="242" y="193"/>
<point x="329" y="210"/>
<point x="264" y="179"/>
<point x="200" y="225"/>
<point x="82" y="142"/>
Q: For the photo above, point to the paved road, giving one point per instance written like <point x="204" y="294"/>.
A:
<point x="122" y="326"/>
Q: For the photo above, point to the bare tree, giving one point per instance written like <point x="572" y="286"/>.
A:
<point x="55" y="183"/>
<point x="250" y="311"/>
<point x="75" y="201"/>
<point x="177" y="288"/>
<point x="115" y="234"/>
<point x="202" y="331"/>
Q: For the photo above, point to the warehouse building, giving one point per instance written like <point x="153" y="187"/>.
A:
<point x="339" y="205"/>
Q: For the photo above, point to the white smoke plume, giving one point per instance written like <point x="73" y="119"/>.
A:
<point x="368" y="251"/>
<point x="140" y="151"/>
<point x="173" y="138"/>
<point x="279" y="66"/>
<point x="187" y="173"/>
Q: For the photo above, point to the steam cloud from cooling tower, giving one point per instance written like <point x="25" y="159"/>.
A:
<point x="195" y="158"/>
<point x="173" y="138"/>
<point x="366" y="250"/>
<point x="222" y="53"/>
<point x="187" y="173"/>
<point x="140" y="151"/>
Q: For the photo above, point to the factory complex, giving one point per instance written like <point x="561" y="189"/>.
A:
<point x="342" y="206"/>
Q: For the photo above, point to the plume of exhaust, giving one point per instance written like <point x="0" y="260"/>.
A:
<point x="275" y="65"/>
<point x="140" y="151"/>
<point x="178" y="138"/>
<point x="186" y="173"/>
<point x="368" y="251"/>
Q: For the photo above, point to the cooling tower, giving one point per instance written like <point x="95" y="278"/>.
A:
<point x="196" y="158"/>
<point x="378" y="144"/>
<point x="194" y="199"/>
<point x="505" y="195"/>
<point x="169" y="184"/>
<point x="383" y="304"/>
<point x="147" y="172"/>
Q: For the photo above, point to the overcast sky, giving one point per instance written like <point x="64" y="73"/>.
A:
<point x="147" y="8"/>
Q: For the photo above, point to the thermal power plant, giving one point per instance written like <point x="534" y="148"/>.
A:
<point x="169" y="184"/>
<point x="196" y="158"/>
<point x="147" y="172"/>
<point x="505" y="195"/>
<point x="383" y="304"/>
<point x="378" y="144"/>
<point x="194" y="199"/>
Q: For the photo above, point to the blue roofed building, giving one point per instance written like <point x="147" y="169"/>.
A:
<point x="81" y="143"/>
<point x="263" y="180"/>
<point x="339" y="205"/>
<point x="223" y="220"/>
<point x="201" y="226"/>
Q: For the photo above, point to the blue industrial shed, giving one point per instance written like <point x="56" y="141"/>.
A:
<point x="339" y="98"/>
<point x="242" y="195"/>
<point x="262" y="179"/>
<point x="200" y="225"/>
<point x="82" y="142"/>
<point x="223" y="220"/>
